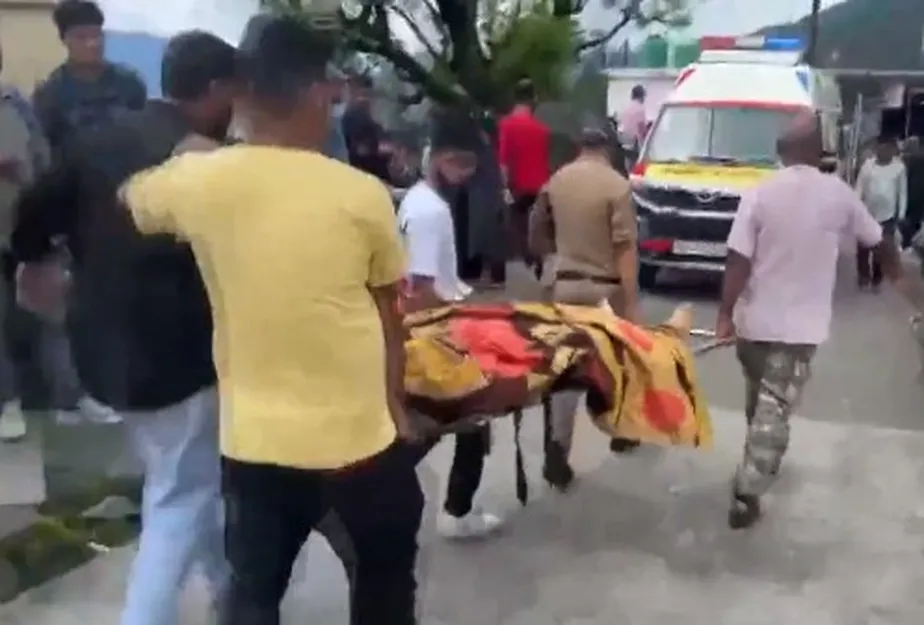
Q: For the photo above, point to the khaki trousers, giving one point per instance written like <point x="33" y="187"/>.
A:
<point x="564" y="405"/>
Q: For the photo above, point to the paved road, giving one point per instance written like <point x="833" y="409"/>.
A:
<point x="641" y="539"/>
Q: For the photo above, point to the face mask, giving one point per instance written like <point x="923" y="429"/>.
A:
<point x="338" y="109"/>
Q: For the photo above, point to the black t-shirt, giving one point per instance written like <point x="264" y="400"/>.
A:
<point x="139" y="319"/>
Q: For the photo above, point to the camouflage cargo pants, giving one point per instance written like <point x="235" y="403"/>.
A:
<point x="775" y="376"/>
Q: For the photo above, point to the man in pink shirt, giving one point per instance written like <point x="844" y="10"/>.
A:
<point x="777" y="296"/>
<point x="633" y="121"/>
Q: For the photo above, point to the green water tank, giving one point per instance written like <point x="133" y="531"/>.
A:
<point x="685" y="52"/>
<point x="654" y="52"/>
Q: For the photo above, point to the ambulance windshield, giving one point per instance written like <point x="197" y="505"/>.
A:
<point x="717" y="134"/>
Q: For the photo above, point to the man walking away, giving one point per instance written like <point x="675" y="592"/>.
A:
<point x="426" y="223"/>
<point x="86" y="91"/>
<point x="23" y="155"/>
<point x="523" y="149"/>
<point x="585" y="214"/>
<point x="777" y="293"/>
<point x="140" y="319"/>
<point x="634" y="123"/>
<point x="309" y="339"/>
<point x="883" y="187"/>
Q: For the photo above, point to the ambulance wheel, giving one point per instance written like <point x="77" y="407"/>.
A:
<point x="647" y="276"/>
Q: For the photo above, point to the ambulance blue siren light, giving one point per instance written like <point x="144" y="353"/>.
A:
<point x="769" y="44"/>
<point x="780" y="44"/>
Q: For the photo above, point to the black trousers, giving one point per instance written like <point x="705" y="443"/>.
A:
<point x="869" y="265"/>
<point x="465" y="472"/>
<point x="519" y="220"/>
<point x="471" y="266"/>
<point x="376" y="507"/>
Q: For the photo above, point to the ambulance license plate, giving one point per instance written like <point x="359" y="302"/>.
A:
<point x="700" y="248"/>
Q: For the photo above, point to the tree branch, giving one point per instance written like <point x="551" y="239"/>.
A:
<point x="418" y="32"/>
<point x="624" y="19"/>
<point x="362" y="35"/>
<point x="437" y="23"/>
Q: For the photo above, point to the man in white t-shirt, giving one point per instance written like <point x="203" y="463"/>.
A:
<point x="883" y="187"/>
<point x="426" y="224"/>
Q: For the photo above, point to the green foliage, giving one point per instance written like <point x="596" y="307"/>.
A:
<point x="539" y="46"/>
<point x="480" y="49"/>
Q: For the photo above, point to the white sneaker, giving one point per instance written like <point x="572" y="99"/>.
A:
<point x="475" y="524"/>
<point x="97" y="412"/>
<point x="12" y="423"/>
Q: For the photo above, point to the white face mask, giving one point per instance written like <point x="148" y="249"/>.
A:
<point x="338" y="109"/>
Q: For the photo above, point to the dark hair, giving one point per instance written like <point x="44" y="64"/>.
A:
<point x="524" y="91"/>
<point x="454" y="130"/>
<point x="192" y="61"/>
<point x="279" y="55"/>
<point x="885" y="139"/>
<point x="638" y="92"/>
<point x="70" y="14"/>
<point x="593" y="138"/>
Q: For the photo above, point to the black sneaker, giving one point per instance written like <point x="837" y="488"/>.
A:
<point x="744" y="512"/>
<point x="623" y="445"/>
<point x="556" y="471"/>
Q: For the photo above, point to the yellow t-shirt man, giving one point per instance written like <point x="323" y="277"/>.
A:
<point x="288" y="243"/>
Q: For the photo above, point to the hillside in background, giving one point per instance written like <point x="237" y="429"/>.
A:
<point x="866" y="34"/>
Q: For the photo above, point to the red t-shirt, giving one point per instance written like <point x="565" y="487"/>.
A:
<point x="523" y="146"/>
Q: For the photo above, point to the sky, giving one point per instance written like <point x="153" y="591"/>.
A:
<point x="137" y="28"/>
<point x="726" y="17"/>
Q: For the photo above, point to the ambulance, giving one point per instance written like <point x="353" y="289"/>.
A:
<point x="715" y="137"/>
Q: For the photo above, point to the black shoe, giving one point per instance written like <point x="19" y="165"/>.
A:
<point x="556" y="471"/>
<point x="623" y="445"/>
<point x="744" y="512"/>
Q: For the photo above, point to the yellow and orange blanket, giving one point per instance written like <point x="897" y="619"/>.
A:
<point x="471" y="361"/>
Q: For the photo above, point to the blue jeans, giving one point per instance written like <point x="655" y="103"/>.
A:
<point x="182" y="510"/>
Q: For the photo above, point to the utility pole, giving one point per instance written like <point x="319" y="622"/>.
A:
<point x="811" y="54"/>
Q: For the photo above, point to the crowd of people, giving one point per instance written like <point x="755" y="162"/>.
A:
<point x="165" y="273"/>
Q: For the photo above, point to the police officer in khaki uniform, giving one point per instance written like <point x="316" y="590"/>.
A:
<point x="584" y="217"/>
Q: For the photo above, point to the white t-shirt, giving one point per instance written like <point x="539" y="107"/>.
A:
<point x="884" y="189"/>
<point x="425" y="220"/>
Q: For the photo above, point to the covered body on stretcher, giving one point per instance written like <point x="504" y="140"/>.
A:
<point x="468" y="363"/>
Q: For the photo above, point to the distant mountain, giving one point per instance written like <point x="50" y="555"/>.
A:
<point x="866" y="34"/>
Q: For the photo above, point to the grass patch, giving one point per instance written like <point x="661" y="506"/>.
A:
<point x="62" y="540"/>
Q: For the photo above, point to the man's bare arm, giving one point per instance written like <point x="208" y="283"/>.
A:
<point x="422" y="294"/>
<point x="737" y="274"/>
<point x="386" y="301"/>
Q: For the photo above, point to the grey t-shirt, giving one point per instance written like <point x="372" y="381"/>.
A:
<point x="65" y="103"/>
